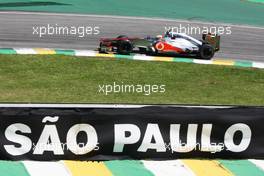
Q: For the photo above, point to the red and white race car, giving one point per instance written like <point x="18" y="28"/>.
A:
<point x="170" y="43"/>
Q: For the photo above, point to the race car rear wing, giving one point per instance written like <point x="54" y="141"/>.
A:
<point x="212" y="39"/>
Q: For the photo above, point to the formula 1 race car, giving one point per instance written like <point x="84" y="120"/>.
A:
<point x="170" y="43"/>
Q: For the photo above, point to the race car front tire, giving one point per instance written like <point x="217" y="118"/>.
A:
<point x="206" y="52"/>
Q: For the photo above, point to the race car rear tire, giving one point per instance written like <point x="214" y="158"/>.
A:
<point x="206" y="52"/>
<point x="124" y="47"/>
<point x="100" y="50"/>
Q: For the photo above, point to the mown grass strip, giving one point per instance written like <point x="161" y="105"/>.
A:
<point x="71" y="79"/>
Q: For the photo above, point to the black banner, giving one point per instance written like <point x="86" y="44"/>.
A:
<point x="154" y="132"/>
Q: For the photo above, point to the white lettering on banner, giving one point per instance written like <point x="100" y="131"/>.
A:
<point x="49" y="139"/>
<point x="151" y="138"/>
<point x="72" y="136"/>
<point x="176" y="144"/>
<point x="152" y="132"/>
<point x="245" y="141"/>
<point x="175" y="141"/>
<point x="120" y="136"/>
<point x="206" y="140"/>
<point x="24" y="141"/>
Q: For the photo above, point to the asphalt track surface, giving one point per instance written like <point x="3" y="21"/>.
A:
<point x="16" y="31"/>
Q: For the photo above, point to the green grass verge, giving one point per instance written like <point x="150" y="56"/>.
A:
<point x="69" y="79"/>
